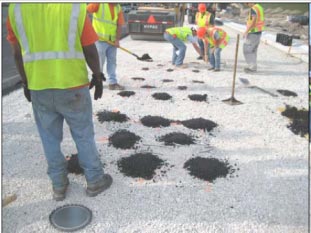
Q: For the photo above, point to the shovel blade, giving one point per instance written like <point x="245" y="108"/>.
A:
<point x="145" y="57"/>
<point x="232" y="101"/>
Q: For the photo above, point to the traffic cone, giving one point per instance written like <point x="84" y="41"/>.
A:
<point x="151" y="19"/>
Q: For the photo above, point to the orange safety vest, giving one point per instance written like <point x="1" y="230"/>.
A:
<point x="260" y="19"/>
<point x="224" y="38"/>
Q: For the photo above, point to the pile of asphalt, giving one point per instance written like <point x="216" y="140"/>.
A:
<point x="138" y="79"/>
<point x="199" y="123"/>
<point x="197" y="81"/>
<point x="287" y="93"/>
<point x="145" y="68"/>
<point x="140" y="165"/>
<point x="161" y="96"/>
<point x="123" y="139"/>
<point x="126" y="93"/>
<point x="155" y="121"/>
<point x="73" y="165"/>
<point x="147" y="86"/>
<point x="167" y="80"/>
<point x="299" y="124"/>
<point x="169" y="70"/>
<point x="111" y="116"/>
<point x="174" y="138"/>
<point x="208" y="169"/>
<point x="197" y="97"/>
<point x="195" y="71"/>
<point x="182" y="87"/>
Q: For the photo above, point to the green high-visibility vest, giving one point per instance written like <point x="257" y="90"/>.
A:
<point x="260" y="19"/>
<point x="180" y="32"/>
<point x="49" y="35"/>
<point x="103" y="24"/>
<point x="203" y="21"/>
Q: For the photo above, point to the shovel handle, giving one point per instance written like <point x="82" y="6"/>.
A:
<point x="124" y="49"/>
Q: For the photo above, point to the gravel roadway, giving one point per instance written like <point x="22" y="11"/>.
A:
<point x="267" y="193"/>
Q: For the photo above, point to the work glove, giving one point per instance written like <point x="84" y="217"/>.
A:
<point x="27" y="92"/>
<point x="97" y="81"/>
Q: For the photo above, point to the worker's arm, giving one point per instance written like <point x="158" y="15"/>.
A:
<point x="120" y="23"/>
<point x="196" y="47"/>
<point x="205" y="50"/>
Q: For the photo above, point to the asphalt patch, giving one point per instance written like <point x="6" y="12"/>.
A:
<point x="208" y="169"/>
<point x="126" y="93"/>
<point x="167" y="80"/>
<point x="155" y="121"/>
<point x="287" y="93"/>
<point x="182" y="87"/>
<point x="299" y="120"/>
<point x="199" y="123"/>
<point x="111" y="116"/>
<point x="195" y="71"/>
<point x="147" y="86"/>
<point x="198" y="98"/>
<point x="169" y="70"/>
<point x="138" y="79"/>
<point x="174" y="138"/>
<point x="145" y="68"/>
<point x="73" y="165"/>
<point x="123" y="139"/>
<point x="140" y="165"/>
<point x="161" y="96"/>
<point x="196" y="81"/>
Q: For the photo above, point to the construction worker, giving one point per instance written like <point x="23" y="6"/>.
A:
<point x="107" y="21"/>
<point x="177" y="36"/>
<point x="254" y="28"/>
<point x="203" y="18"/>
<point x="217" y="39"/>
<point x="52" y="64"/>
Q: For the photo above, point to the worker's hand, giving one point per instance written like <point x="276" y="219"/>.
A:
<point x="27" y="92"/>
<point x="97" y="81"/>
<point x="213" y="50"/>
<point x="205" y="58"/>
<point x="117" y="43"/>
<point x="245" y="34"/>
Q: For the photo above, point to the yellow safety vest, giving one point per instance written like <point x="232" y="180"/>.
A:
<point x="203" y="21"/>
<point x="49" y="35"/>
<point x="103" y="24"/>
<point x="224" y="37"/>
<point x="260" y="19"/>
<point x="181" y="32"/>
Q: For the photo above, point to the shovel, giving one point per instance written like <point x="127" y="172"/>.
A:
<point x="247" y="83"/>
<point x="145" y="56"/>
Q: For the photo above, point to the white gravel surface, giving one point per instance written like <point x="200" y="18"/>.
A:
<point x="267" y="194"/>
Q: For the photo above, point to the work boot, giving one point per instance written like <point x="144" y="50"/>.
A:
<point x="200" y="58"/>
<point x="59" y="194"/>
<point x="94" y="189"/>
<point x="115" y="86"/>
<point x="216" y="70"/>
<point x="211" y="68"/>
<point x="182" y="66"/>
<point x="248" y="70"/>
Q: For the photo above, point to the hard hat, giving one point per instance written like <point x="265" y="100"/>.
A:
<point x="201" y="32"/>
<point x="202" y="7"/>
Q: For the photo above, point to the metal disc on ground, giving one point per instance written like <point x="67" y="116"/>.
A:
<point x="161" y="96"/>
<point x="71" y="217"/>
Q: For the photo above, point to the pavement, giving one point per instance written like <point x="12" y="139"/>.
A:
<point x="268" y="193"/>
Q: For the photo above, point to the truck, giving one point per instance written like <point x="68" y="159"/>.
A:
<point x="150" y="20"/>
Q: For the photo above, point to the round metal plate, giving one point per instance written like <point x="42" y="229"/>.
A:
<point x="70" y="217"/>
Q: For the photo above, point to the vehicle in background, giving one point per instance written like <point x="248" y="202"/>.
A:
<point x="150" y="20"/>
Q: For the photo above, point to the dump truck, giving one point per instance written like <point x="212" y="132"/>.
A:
<point x="150" y="20"/>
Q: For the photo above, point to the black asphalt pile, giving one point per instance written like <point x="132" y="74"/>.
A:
<point x="140" y="165"/>
<point x="182" y="87"/>
<point x="73" y="165"/>
<point x="167" y="80"/>
<point x="145" y="68"/>
<point x="208" y="169"/>
<point x="155" y="121"/>
<point x="176" y="138"/>
<point x="299" y="124"/>
<point x="138" y="79"/>
<point x="287" y="93"/>
<point x="161" y="96"/>
<point x="169" y="70"/>
<point x="199" y="123"/>
<point x="196" y="81"/>
<point x="126" y="93"/>
<point x="123" y="139"/>
<point x="195" y="71"/>
<point x="197" y="97"/>
<point x="160" y="65"/>
<point x="111" y="116"/>
<point x="147" y="86"/>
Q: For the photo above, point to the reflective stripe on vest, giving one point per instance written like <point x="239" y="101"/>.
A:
<point x="203" y="21"/>
<point x="180" y="32"/>
<point x="260" y="21"/>
<point x="30" y="57"/>
<point x="104" y="25"/>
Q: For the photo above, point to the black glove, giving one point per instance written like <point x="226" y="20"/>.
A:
<point x="97" y="81"/>
<point x="27" y="92"/>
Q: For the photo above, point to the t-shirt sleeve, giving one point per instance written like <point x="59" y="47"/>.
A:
<point x="12" y="39"/>
<point x="121" y="20"/>
<point x="253" y="13"/>
<point x="88" y="36"/>
<point x="192" y="39"/>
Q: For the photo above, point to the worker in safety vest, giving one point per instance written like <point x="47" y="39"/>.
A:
<point x="203" y="18"/>
<point x="254" y="28"/>
<point x="52" y="64"/>
<point x="177" y="36"/>
<point x="217" y="39"/>
<point x="107" y="21"/>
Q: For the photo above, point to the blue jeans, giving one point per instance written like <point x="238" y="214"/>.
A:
<point x="179" y="46"/>
<point x="106" y="50"/>
<point x="214" y="58"/>
<point x="201" y="45"/>
<point x="51" y="107"/>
